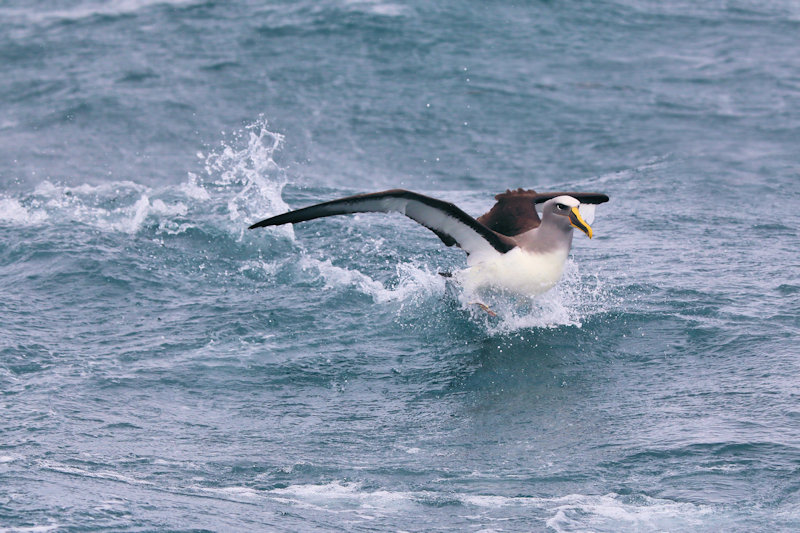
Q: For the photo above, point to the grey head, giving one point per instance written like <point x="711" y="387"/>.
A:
<point x="559" y="216"/>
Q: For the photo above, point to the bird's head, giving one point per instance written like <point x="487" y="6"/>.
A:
<point x="563" y="210"/>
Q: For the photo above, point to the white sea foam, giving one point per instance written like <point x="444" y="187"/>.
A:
<point x="192" y="189"/>
<point x="130" y="219"/>
<point x="114" y="188"/>
<point x="137" y="213"/>
<point x="567" y="304"/>
<point x="30" y="529"/>
<point x="377" y="7"/>
<point x="90" y="9"/>
<point x="242" y="182"/>
<point x="335" y="276"/>
<point x="343" y="497"/>
<point x="573" y="512"/>
<point x="570" y="302"/>
<point x="98" y="474"/>
<point x="610" y="512"/>
<point x="11" y="210"/>
<point x="232" y="493"/>
<point x="90" y="204"/>
<point x="268" y="268"/>
<point x="482" y="500"/>
<point x="413" y="281"/>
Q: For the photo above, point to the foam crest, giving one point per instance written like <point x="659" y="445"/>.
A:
<point x="95" y="474"/>
<point x="92" y="9"/>
<point x="336" y="277"/>
<point x="31" y="529"/>
<point x="234" y="493"/>
<point x="117" y="206"/>
<point x="11" y="210"/>
<point x="573" y="512"/>
<point x="114" y="188"/>
<point x="133" y="217"/>
<point x="376" y="7"/>
<point x="337" y="496"/>
<point x="610" y="512"/>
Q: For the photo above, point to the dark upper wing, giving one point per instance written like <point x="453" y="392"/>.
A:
<point x="582" y="197"/>
<point x="450" y="223"/>
<point x="515" y="211"/>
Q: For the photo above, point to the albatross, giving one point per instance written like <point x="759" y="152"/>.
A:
<point x="510" y="248"/>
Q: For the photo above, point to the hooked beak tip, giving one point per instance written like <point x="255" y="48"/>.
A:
<point x="576" y="220"/>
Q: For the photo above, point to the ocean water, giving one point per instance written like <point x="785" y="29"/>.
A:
<point x="162" y="368"/>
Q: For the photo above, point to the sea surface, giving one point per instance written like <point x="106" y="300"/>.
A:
<point x="162" y="368"/>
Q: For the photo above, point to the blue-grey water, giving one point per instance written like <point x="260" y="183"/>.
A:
<point x="163" y="368"/>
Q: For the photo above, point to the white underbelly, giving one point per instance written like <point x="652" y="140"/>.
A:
<point x="516" y="271"/>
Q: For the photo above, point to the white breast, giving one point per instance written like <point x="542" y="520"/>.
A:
<point x="516" y="271"/>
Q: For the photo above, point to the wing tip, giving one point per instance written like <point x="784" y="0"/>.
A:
<point x="261" y="224"/>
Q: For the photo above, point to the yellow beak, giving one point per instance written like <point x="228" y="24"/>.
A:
<point x="577" y="221"/>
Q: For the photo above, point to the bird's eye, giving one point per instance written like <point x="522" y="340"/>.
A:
<point x="562" y="207"/>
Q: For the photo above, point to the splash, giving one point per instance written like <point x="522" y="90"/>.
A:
<point x="241" y="182"/>
<point x="574" y="299"/>
<point x="569" y="303"/>
<point x="244" y="170"/>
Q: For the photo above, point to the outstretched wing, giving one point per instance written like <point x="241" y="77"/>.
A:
<point x="515" y="211"/>
<point x="448" y="222"/>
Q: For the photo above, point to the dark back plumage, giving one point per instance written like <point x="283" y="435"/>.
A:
<point x="514" y="213"/>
